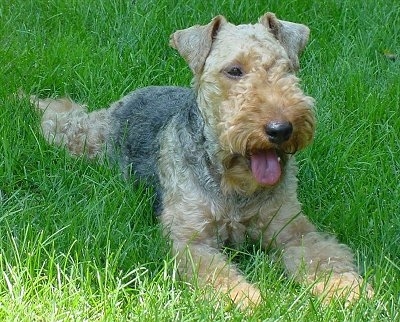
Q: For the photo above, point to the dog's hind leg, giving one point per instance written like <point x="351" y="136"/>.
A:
<point x="66" y="123"/>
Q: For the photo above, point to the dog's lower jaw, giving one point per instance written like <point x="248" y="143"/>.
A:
<point x="238" y="178"/>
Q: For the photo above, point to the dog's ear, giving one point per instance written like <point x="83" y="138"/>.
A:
<point x="292" y="36"/>
<point x="194" y="43"/>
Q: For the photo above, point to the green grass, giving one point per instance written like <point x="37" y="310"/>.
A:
<point x="77" y="243"/>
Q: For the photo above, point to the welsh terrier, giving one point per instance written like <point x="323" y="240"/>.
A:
<point x="220" y="156"/>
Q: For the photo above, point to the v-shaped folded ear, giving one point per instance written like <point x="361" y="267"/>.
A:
<point x="194" y="43"/>
<point x="292" y="36"/>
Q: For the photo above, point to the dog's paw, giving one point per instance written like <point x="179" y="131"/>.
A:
<point x="245" y="296"/>
<point x="346" y="286"/>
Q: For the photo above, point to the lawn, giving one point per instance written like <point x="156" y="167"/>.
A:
<point x="78" y="243"/>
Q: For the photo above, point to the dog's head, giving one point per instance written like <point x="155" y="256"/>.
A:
<point x="248" y="93"/>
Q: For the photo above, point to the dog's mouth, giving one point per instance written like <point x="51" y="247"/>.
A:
<point x="266" y="166"/>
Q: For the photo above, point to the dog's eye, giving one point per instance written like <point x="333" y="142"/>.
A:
<point x="234" y="72"/>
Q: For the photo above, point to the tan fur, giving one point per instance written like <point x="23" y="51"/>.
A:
<point x="65" y="122"/>
<point x="235" y="110"/>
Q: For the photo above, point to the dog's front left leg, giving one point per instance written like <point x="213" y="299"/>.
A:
<point x="315" y="258"/>
<point x="320" y="260"/>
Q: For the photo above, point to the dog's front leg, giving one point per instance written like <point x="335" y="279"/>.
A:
<point x="321" y="261"/>
<point x="196" y="247"/>
<point x="211" y="267"/>
<point x="315" y="258"/>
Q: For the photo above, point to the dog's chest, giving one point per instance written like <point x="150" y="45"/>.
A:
<point x="233" y="218"/>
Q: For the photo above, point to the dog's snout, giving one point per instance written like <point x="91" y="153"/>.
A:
<point x="279" y="131"/>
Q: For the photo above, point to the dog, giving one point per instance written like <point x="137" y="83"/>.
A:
<point x="220" y="155"/>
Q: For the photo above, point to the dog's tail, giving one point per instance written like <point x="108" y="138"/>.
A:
<point x="66" y="123"/>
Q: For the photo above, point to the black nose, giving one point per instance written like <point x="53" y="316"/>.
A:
<point x="279" y="131"/>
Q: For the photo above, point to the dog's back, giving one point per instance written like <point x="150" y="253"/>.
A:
<point x="137" y="122"/>
<point x="142" y="123"/>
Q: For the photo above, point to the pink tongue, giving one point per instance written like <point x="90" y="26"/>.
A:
<point x="265" y="167"/>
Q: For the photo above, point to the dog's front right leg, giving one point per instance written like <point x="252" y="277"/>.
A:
<point x="196" y="248"/>
<point x="210" y="267"/>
